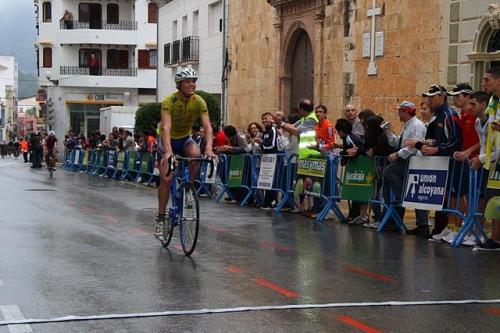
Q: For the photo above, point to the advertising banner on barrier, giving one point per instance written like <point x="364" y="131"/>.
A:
<point x="120" y="158"/>
<point x="266" y="173"/>
<point x="426" y="182"/>
<point x="310" y="175"/>
<point x="205" y="173"/>
<point x="236" y="167"/>
<point x="357" y="182"/>
<point x="494" y="175"/>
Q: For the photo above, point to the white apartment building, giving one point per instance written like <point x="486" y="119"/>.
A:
<point x="8" y="96"/>
<point x="190" y="32"/>
<point x="104" y="53"/>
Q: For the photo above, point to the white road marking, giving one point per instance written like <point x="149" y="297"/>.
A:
<point x="13" y="313"/>
<point x="1" y="283"/>
<point x="73" y="318"/>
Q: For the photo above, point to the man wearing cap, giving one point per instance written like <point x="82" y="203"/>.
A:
<point x="470" y="144"/>
<point x="394" y="173"/>
<point x="461" y="95"/>
<point x="446" y="138"/>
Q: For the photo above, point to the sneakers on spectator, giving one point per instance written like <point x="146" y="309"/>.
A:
<point x="449" y="237"/>
<point x="229" y="200"/>
<point x="469" y="240"/>
<point x="372" y="225"/>
<point x="266" y="208"/>
<point x="359" y="221"/>
<point x="442" y="234"/>
<point x="488" y="245"/>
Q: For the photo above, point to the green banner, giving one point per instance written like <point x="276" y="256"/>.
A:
<point x="357" y="182"/>
<point x="236" y="170"/>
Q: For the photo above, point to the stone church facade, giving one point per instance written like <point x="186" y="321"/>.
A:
<point x="283" y="50"/>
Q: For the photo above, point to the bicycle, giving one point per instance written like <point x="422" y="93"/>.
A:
<point x="185" y="211"/>
<point x="50" y="163"/>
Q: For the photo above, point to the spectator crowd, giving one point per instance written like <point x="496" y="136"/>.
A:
<point x="461" y="132"/>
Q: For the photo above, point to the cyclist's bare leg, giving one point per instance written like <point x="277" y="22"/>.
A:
<point x="193" y="150"/>
<point x="164" y="194"/>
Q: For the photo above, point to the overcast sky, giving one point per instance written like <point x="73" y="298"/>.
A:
<point x="18" y="32"/>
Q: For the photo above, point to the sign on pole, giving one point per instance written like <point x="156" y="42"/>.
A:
<point x="266" y="173"/>
<point x="426" y="182"/>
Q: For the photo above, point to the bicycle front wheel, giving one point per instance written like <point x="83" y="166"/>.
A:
<point x="168" y="230"/>
<point x="190" y="219"/>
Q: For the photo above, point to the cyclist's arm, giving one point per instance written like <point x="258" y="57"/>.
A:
<point x="166" y="123"/>
<point x="209" y="136"/>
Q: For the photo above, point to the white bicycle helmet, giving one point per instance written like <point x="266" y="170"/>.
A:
<point x="52" y="133"/>
<point x="184" y="73"/>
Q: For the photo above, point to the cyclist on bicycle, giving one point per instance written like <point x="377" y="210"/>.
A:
<point x="50" y="146"/>
<point x="179" y="112"/>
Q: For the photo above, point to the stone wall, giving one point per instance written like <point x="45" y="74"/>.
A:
<point x="413" y="54"/>
<point x="251" y="84"/>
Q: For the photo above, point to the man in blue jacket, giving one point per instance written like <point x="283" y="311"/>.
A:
<point x="443" y="138"/>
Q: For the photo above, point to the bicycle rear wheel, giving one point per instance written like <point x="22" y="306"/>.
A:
<point x="190" y="219"/>
<point x="168" y="230"/>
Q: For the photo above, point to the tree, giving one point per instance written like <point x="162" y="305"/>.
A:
<point x="148" y="116"/>
<point x="31" y="111"/>
<point x="212" y="105"/>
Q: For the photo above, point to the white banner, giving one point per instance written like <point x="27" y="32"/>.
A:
<point x="426" y="182"/>
<point x="211" y="180"/>
<point x="266" y="174"/>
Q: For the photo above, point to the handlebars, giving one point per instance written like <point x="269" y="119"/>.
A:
<point x="172" y="163"/>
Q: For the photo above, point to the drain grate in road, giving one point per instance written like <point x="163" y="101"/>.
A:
<point x="39" y="190"/>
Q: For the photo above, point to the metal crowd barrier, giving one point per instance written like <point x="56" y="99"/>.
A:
<point x="123" y="165"/>
<point x="141" y="167"/>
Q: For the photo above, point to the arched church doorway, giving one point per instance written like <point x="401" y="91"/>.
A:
<point x="300" y="67"/>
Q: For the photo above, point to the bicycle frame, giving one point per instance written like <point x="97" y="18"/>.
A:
<point x="176" y="209"/>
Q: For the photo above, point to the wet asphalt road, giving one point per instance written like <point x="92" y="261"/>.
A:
<point x="82" y="245"/>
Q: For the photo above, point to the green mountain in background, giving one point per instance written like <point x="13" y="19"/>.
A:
<point x="28" y="85"/>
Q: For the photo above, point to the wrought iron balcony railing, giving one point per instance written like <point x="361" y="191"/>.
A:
<point x="190" y="48"/>
<point x="78" y="25"/>
<point x="101" y="71"/>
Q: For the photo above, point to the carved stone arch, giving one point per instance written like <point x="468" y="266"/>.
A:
<point x="482" y="36"/>
<point x="480" y="58"/>
<point x="291" y="81"/>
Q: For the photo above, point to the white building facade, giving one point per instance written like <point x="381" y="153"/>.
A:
<point x="102" y="53"/>
<point x="190" y="33"/>
<point x="9" y="86"/>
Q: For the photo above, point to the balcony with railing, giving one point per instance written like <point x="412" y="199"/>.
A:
<point x="84" y="32"/>
<point x="104" y="25"/>
<point x="182" y="52"/>
<point x="190" y="49"/>
<point x="102" y="71"/>
<point x="176" y="51"/>
<point x="79" y="76"/>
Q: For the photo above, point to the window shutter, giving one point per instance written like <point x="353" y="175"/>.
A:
<point x="143" y="59"/>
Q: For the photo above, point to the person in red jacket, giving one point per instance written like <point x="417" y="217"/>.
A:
<point x="325" y="133"/>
